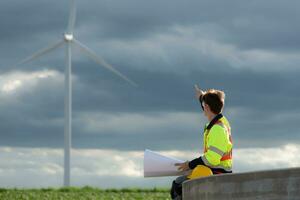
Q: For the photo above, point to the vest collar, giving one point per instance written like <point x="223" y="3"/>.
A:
<point x="214" y="120"/>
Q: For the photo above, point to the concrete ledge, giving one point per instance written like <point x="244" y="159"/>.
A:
<point x="273" y="184"/>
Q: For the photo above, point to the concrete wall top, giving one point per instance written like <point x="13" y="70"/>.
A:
<point x="272" y="184"/>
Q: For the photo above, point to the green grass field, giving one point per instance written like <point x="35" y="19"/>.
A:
<point x="85" y="193"/>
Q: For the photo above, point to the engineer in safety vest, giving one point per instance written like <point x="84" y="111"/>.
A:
<point x="217" y="142"/>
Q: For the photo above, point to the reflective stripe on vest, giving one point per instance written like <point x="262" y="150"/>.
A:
<point x="228" y="169"/>
<point x="225" y="156"/>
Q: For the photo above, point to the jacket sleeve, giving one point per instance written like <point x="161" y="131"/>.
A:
<point x="217" y="145"/>
<point x="195" y="162"/>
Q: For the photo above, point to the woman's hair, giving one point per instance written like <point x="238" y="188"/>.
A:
<point x="215" y="99"/>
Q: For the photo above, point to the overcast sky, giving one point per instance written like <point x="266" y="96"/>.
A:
<point x="249" y="49"/>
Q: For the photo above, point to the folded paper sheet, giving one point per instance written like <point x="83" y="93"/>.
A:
<point x="156" y="165"/>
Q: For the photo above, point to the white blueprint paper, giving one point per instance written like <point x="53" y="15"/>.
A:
<point x="156" y="165"/>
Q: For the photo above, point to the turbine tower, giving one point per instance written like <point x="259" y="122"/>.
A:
<point x="69" y="41"/>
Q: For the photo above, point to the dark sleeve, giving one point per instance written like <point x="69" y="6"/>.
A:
<point x="195" y="162"/>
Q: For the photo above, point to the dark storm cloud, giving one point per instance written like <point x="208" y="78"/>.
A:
<point x="170" y="91"/>
<point x="252" y="24"/>
<point x="262" y="98"/>
<point x="27" y="20"/>
<point x="255" y="24"/>
<point x="38" y="120"/>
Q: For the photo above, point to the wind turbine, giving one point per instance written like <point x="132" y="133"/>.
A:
<point x="69" y="41"/>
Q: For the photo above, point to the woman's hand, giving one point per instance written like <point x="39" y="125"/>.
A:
<point x="198" y="92"/>
<point x="183" y="166"/>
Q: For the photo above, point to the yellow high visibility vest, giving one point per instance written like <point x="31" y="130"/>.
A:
<point x="218" y="146"/>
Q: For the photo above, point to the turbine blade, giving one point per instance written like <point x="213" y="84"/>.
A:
<point x="41" y="52"/>
<point x="72" y="17"/>
<point x="102" y="62"/>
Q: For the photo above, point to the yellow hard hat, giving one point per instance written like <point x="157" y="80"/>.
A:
<point x="200" y="171"/>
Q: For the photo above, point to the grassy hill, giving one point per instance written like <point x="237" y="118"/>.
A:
<point x="85" y="193"/>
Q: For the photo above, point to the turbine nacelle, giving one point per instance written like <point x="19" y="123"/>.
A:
<point x="68" y="37"/>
